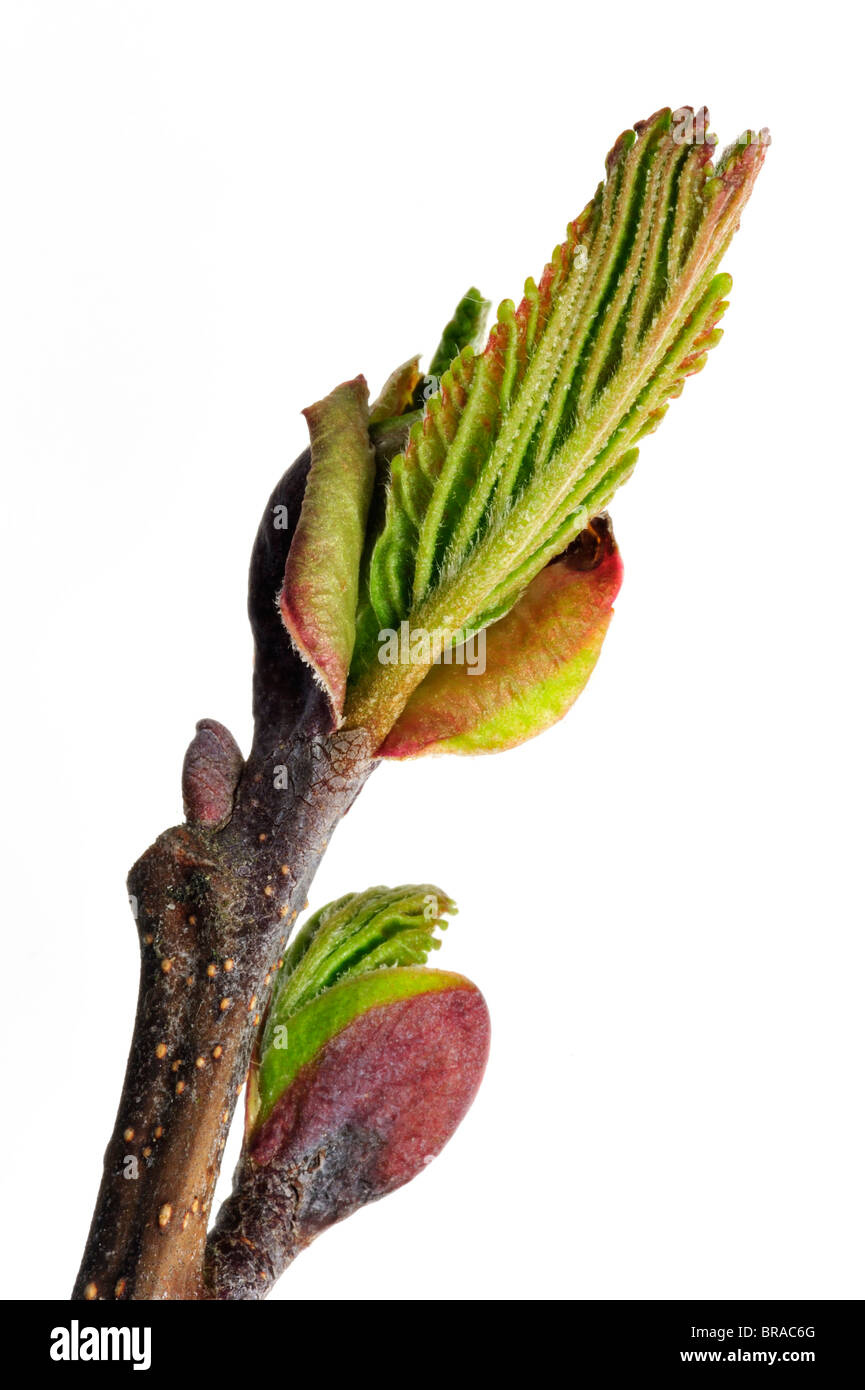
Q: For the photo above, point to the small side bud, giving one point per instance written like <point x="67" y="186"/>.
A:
<point x="211" y="770"/>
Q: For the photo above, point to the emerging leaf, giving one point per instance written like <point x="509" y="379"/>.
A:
<point x="320" y="591"/>
<point x="363" y="1076"/>
<point x="397" y="394"/>
<point x="464" y="330"/>
<point x="538" y="660"/>
<point x="374" y="1102"/>
<point x="529" y="439"/>
<point x="359" y="935"/>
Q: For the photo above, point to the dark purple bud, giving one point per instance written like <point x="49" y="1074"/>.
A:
<point x="211" y="769"/>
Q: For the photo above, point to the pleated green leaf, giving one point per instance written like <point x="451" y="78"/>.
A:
<point x="355" y="938"/>
<point x="527" y="440"/>
<point x="464" y="330"/>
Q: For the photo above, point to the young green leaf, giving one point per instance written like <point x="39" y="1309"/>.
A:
<point x="320" y="591"/>
<point x="397" y="394"/>
<point x="527" y="440"/>
<point x="362" y="934"/>
<point x="464" y="330"/>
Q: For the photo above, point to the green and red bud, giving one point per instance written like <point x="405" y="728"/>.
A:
<point x="381" y="1071"/>
<point x="363" y="1075"/>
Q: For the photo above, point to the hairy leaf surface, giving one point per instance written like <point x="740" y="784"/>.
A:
<point x="376" y="935"/>
<point x="528" y="439"/>
<point x="320" y="591"/>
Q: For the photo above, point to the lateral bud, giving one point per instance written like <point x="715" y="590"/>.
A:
<point x="211" y="771"/>
<point x="367" y="1063"/>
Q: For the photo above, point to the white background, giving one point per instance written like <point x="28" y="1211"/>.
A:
<point x="214" y="213"/>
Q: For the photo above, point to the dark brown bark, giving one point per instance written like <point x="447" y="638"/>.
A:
<point x="274" y="1212"/>
<point x="216" y="901"/>
<point x="212" y="918"/>
<point x="259" y="1229"/>
<point x="214" y="909"/>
